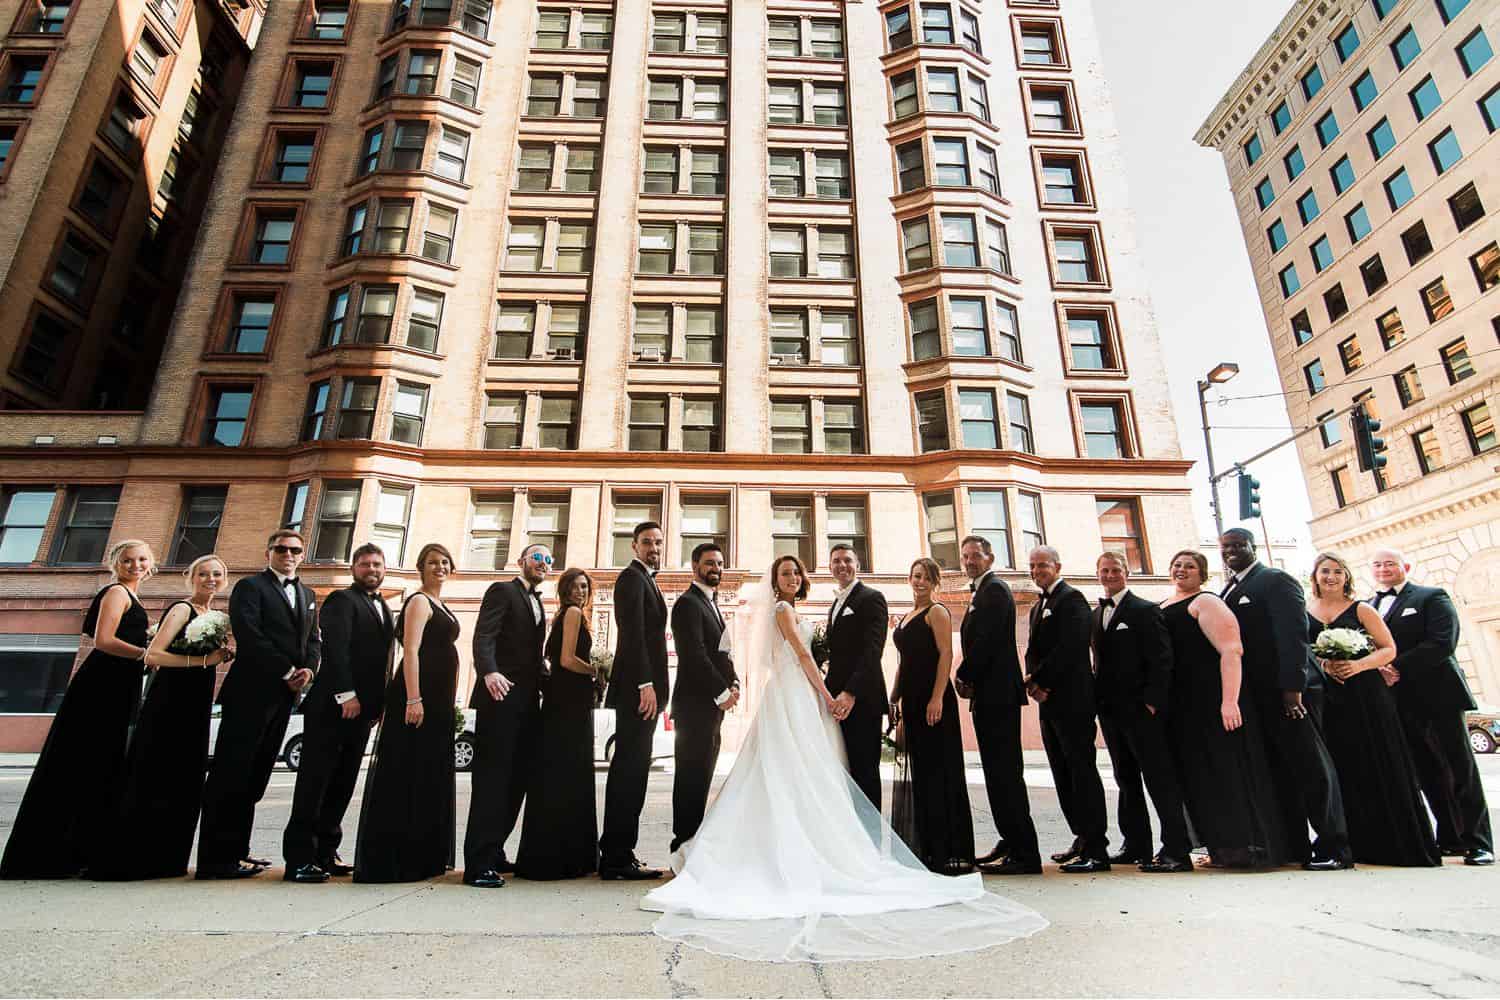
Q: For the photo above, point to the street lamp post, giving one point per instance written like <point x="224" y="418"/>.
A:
<point x="1217" y="375"/>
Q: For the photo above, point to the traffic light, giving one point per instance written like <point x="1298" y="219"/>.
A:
<point x="1368" y="449"/>
<point x="1249" y="497"/>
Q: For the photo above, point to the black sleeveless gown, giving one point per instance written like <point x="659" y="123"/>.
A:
<point x="559" y="829"/>
<point x="74" y="789"/>
<point x="164" y="773"/>
<point x="1388" y="821"/>
<point x="1226" y="779"/>
<point x="930" y="808"/>
<point x="407" y="824"/>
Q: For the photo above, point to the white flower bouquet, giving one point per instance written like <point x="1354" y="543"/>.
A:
<point x="203" y="635"/>
<point x="1341" y="644"/>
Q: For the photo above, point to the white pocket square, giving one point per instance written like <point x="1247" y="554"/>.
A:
<point x="1244" y="600"/>
<point x="1046" y="612"/>
<point x="846" y="611"/>
<point x="1408" y="611"/>
<point x="1122" y="627"/>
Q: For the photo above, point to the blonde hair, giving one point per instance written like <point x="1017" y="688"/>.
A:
<point x="118" y="550"/>
<point x="192" y="569"/>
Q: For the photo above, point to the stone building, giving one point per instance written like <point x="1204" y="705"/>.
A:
<point x="1361" y="148"/>
<point x="779" y="274"/>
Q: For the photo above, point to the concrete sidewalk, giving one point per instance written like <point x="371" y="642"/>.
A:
<point x="1369" y="932"/>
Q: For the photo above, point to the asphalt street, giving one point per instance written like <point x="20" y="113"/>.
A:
<point x="1368" y="932"/>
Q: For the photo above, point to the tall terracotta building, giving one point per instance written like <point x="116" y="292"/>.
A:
<point x="778" y="274"/>
<point x="1362" y="150"/>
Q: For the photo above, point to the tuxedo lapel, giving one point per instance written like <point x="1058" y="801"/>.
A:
<point x="276" y="592"/>
<point x="1402" y="596"/>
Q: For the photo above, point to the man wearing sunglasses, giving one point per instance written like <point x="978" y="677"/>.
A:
<point x="275" y="624"/>
<point x="508" y="669"/>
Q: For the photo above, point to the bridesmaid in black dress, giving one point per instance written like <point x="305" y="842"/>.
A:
<point x="169" y="752"/>
<point x="941" y="827"/>
<point x="1213" y="730"/>
<point x="1388" y="822"/>
<point x="559" y="831"/>
<point x="406" y="823"/>
<point x="75" y="786"/>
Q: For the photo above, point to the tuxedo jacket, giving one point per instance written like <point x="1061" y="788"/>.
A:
<point x="856" y="640"/>
<point x="271" y="637"/>
<point x="1057" y="651"/>
<point x="508" y="639"/>
<point x="1272" y="612"/>
<point x="988" y="639"/>
<point x="703" y="671"/>
<point x="356" y="653"/>
<point x="641" y="649"/>
<point x="1424" y="624"/>
<point x="1132" y="656"/>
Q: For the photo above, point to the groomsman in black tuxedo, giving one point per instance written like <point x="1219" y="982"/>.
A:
<point x="1133" y="667"/>
<point x="343" y="704"/>
<point x="706" y="688"/>
<point x="990" y="677"/>
<point x="274" y="619"/>
<point x="856" y="629"/>
<point x="1283" y="678"/>
<point x="508" y="670"/>
<point x="638" y="689"/>
<point x="1432" y="697"/>
<point x="1060" y="679"/>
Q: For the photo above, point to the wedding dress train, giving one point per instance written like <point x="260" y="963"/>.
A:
<point x="793" y="863"/>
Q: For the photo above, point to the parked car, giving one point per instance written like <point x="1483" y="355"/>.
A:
<point x="604" y="738"/>
<point x="1484" y="732"/>
<point x="291" y="743"/>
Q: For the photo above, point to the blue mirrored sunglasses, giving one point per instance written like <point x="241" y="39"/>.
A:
<point x="541" y="557"/>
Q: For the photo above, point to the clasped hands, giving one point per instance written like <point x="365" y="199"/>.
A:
<point x="299" y="678"/>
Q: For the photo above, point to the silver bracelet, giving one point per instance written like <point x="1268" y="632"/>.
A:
<point x="414" y="701"/>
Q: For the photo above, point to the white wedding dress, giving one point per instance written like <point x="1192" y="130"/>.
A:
<point x="792" y="862"/>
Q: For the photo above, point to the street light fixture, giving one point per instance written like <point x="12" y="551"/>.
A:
<point x="1217" y="375"/>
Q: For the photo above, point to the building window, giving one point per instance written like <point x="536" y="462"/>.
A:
<point x="250" y="323"/>
<point x="489" y="532"/>
<point x="996" y="246"/>
<point x="1364" y="90"/>
<point x="660" y="175"/>
<point x="926" y="341"/>
<point x="408" y="413"/>
<point x="547" y="524"/>
<point x="392" y="511"/>
<point x="710" y="100"/>
<point x="932" y="421"/>
<point x="1089" y="344"/>
<point x="1007" y="332"/>
<point x="1276" y="236"/>
<point x="969" y="328"/>
<point x="575" y="247"/>
<point x="960" y="241"/>
<point x="1466" y="206"/>
<point x="792" y="528"/>
<point x="1120" y="530"/>
<point x="74" y="271"/>
<point x="788" y="248"/>
<point x="629" y="510"/>
<point x="1346" y="43"/>
<point x="312" y="83"/>
<point x="559" y="422"/>
<point x="1391" y="330"/>
<point x="10" y="135"/>
<point x="392" y="224"/>
<point x="704" y="519"/>
<point x="846" y="526"/>
<point x="1372" y="272"/>
<point x="24" y="78"/>
<point x="1489" y="108"/>
<point x="657" y="248"/>
<point x="377" y="306"/>
<point x="1063" y="180"/>
<point x="648" y="423"/>
<point x="294" y="509"/>
<point x="1429" y="455"/>
<point x="1322" y="254"/>
<point x="1486" y="266"/>
<point x="1416" y="242"/>
<point x="1456" y="361"/>
<point x="669" y="32"/>
<point x="1281" y="117"/>
<point x="504" y="417"/>
<point x="832" y="174"/>
<point x="1029" y="513"/>
<point x="1018" y="416"/>
<point x="1409" y="386"/>
<point x="1479" y="427"/>
<point x="838" y="341"/>
<point x="1437" y="301"/>
<point x="942" y="528"/>
<point x="1253" y="150"/>
<point x="989" y="517"/>
<point x="1312" y="82"/>
<point x="227" y="415"/>
<point x="1052" y="110"/>
<point x="337" y="510"/>
<point x="1076" y="257"/>
<point x="146" y="59"/>
<point x="357" y="409"/>
<point x="789" y="336"/>
<point x="1474" y="52"/>
<point x="898" y="28"/>
<point x="1342" y="174"/>
<point x="45" y="17"/>
<point x="1103" y="429"/>
<point x="1425" y="98"/>
<point x="595" y="30"/>
<point x="1265" y="193"/>
<point x="830" y="106"/>
<point x="843" y="433"/>
<point x="437" y="240"/>
<point x="271" y="244"/>
<point x="904" y="102"/>
<point x="1307" y="206"/>
<point x="1328" y="429"/>
<point x="1335" y="302"/>
<point x="1302" y="330"/>
<point x="791" y="427"/>
<point x="544" y="98"/>
<point x="565" y="333"/>
<point x="706" y="249"/>
<point x="315" y="410"/>
<point x="198" y="523"/>
<point x="26" y="513"/>
<point x="523" y="250"/>
<point x="294" y="157"/>
<point x="1350" y="355"/>
<point x="651" y="337"/>
<point x="425" y="320"/>
<point x="1343" y="486"/>
<point x="1039" y="44"/>
<point x="1328" y="129"/>
<point x="1312" y="374"/>
<point x="84" y="532"/>
<point x="700" y="424"/>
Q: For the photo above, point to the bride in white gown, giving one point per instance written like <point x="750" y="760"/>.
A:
<point x="792" y="862"/>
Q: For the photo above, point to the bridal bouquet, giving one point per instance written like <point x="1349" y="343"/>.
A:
<point x="1341" y="644"/>
<point x="819" y="645"/>
<point x="203" y="635"/>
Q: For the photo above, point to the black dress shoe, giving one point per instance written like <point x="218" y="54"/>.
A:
<point x="1479" y="856"/>
<point x="631" y="871"/>
<point x="335" y="866"/>
<point x="235" y="871"/>
<point x="506" y="866"/>
<point x="1010" y="866"/>
<point x="1454" y="851"/>
<point x="257" y="862"/>
<point x="1085" y="866"/>
<point x="308" y="874"/>
<point x="999" y="851"/>
<point x="487" y="879"/>
<point x="1327" y="865"/>
<point x="1161" y="863"/>
<point x="1129" y="858"/>
<point x="1063" y="857"/>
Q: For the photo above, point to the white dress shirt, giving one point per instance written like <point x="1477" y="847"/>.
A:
<point x="1236" y="578"/>
<point x="710" y="593"/>
<point x="1384" y="601"/>
<point x="1110" y="609"/>
<point x="651" y="573"/>
<point x="839" y="596"/>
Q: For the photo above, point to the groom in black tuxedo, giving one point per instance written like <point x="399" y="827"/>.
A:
<point x="343" y="704"/>
<point x="856" y="629"/>
<point x="990" y="677"/>
<point x="638" y="688"/>
<point x="706" y="688"/>
<point x="274" y="619"/>
<point x="1432" y="697"/>
<point x="508" y="670"/>
<point x="1283" y="678"/>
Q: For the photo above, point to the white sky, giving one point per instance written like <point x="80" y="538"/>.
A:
<point x="1167" y="63"/>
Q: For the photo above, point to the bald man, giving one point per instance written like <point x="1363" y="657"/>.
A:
<point x="1433" y="696"/>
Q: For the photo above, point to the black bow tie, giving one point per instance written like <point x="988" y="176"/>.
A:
<point x="715" y="597"/>
<point x="290" y="581"/>
<point x="1106" y="602"/>
<point x="1385" y="593"/>
<point x="535" y="592"/>
<point x="973" y="588"/>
